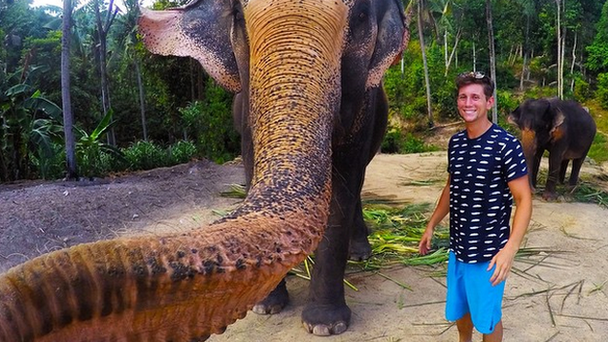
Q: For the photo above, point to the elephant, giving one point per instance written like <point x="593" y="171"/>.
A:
<point x="563" y="128"/>
<point x="309" y="103"/>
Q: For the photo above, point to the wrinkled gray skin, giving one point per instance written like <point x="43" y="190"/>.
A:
<point x="374" y="35"/>
<point x="564" y="129"/>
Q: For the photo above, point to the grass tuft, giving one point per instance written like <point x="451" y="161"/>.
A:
<point x="235" y="191"/>
<point x="396" y="233"/>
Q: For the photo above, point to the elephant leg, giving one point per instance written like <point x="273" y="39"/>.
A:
<point x="537" y="158"/>
<point x="555" y="162"/>
<point x="576" y="169"/>
<point x="360" y="249"/>
<point x="241" y="123"/>
<point x="562" y="170"/>
<point x="326" y="312"/>
<point x="275" y="302"/>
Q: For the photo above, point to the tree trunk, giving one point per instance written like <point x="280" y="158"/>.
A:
<point x="573" y="61"/>
<point x="426" y="68"/>
<point x="142" y="102"/>
<point x="559" y="49"/>
<point x="68" y="116"/>
<point x="524" y="67"/>
<point x="192" y="82"/>
<point x="102" y="31"/>
<point x="445" y="49"/>
<point x="474" y="58"/>
<point x="561" y="65"/>
<point x="200" y="80"/>
<point x="454" y="49"/>
<point x="492" y="57"/>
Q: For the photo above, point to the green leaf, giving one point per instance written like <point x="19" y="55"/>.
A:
<point x="103" y="125"/>
<point x="38" y="102"/>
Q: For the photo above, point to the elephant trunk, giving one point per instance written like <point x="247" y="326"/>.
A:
<point x="529" y="144"/>
<point x="188" y="286"/>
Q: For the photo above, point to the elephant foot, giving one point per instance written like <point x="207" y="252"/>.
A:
<point x="326" y="320"/>
<point x="275" y="302"/>
<point x="549" y="196"/>
<point x="360" y="250"/>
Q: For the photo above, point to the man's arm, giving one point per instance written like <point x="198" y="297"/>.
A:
<point x="520" y="188"/>
<point x="442" y="209"/>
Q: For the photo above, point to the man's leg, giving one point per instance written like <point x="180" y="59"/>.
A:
<point x="495" y="336"/>
<point x="465" y="329"/>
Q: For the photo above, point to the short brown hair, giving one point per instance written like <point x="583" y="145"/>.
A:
<point x="476" y="77"/>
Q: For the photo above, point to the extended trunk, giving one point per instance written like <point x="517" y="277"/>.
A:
<point x="186" y="287"/>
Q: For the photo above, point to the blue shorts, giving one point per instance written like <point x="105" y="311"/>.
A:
<point x="470" y="291"/>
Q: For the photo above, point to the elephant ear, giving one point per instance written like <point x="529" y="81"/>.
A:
<point x="558" y="119"/>
<point x="200" y="30"/>
<point x="393" y="36"/>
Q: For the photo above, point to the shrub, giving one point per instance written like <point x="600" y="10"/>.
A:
<point x="181" y="152"/>
<point x="145" y="155"/>
<point x="601" y="93"/>
<point x="507" y="102"/>
<point x="395" y="141"/>
<point x="51" y="166"/>
<point x="390" y="144"/>
<point x="209" y="123"/>
<point x="582" y="89"/>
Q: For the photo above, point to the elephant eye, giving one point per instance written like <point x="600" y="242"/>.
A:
<point x="363" y="15"/>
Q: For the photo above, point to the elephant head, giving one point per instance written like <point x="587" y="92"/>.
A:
<point x="538" y="121"/>
<point x="288" y="60"/>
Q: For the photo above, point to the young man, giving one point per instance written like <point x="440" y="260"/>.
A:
<point x="487" y="171"/>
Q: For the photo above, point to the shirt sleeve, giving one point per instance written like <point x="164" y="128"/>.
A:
<point x="514" y="161"/>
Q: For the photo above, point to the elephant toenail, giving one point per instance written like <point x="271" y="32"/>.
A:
<point x="339" y="328"/>
<point x="321" y="330"/>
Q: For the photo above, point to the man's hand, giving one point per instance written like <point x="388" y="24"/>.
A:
<point x="503" y="261"/>
<point x="425" y="242"/>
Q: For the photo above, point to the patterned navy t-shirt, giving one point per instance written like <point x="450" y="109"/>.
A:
<point x="480" y="199"/>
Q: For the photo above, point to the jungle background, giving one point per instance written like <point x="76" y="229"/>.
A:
<point x="131" y="110"/>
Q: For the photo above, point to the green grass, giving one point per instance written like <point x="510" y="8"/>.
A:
<point x="586" y="192"/>
<point x="396" y="233"/>
<point x="599" y="148"/>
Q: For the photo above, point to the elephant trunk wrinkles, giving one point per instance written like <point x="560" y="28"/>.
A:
<point x="186" y="287"/>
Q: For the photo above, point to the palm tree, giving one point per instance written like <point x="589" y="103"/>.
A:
<point x="492" y="57"/>
<point x="127" y="40"/>
<point x="103" y="27"/>
<point x="68" y="116"/>
<point x="425" y="64"/>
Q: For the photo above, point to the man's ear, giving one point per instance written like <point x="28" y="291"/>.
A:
<point x="490" y="103"/>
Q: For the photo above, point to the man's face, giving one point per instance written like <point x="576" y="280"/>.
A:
<point x="472" y="103"/>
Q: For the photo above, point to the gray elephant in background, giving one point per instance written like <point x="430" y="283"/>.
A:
<point x="563" y="128"/>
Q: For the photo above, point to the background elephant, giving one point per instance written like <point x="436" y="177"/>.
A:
<point x="563" y="128"/>
<point x="312" y="113"/>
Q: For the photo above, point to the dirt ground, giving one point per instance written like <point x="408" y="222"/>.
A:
<point x="559" y="295"/>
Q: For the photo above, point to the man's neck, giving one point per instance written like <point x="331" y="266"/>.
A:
<point x="477" y="129"/>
